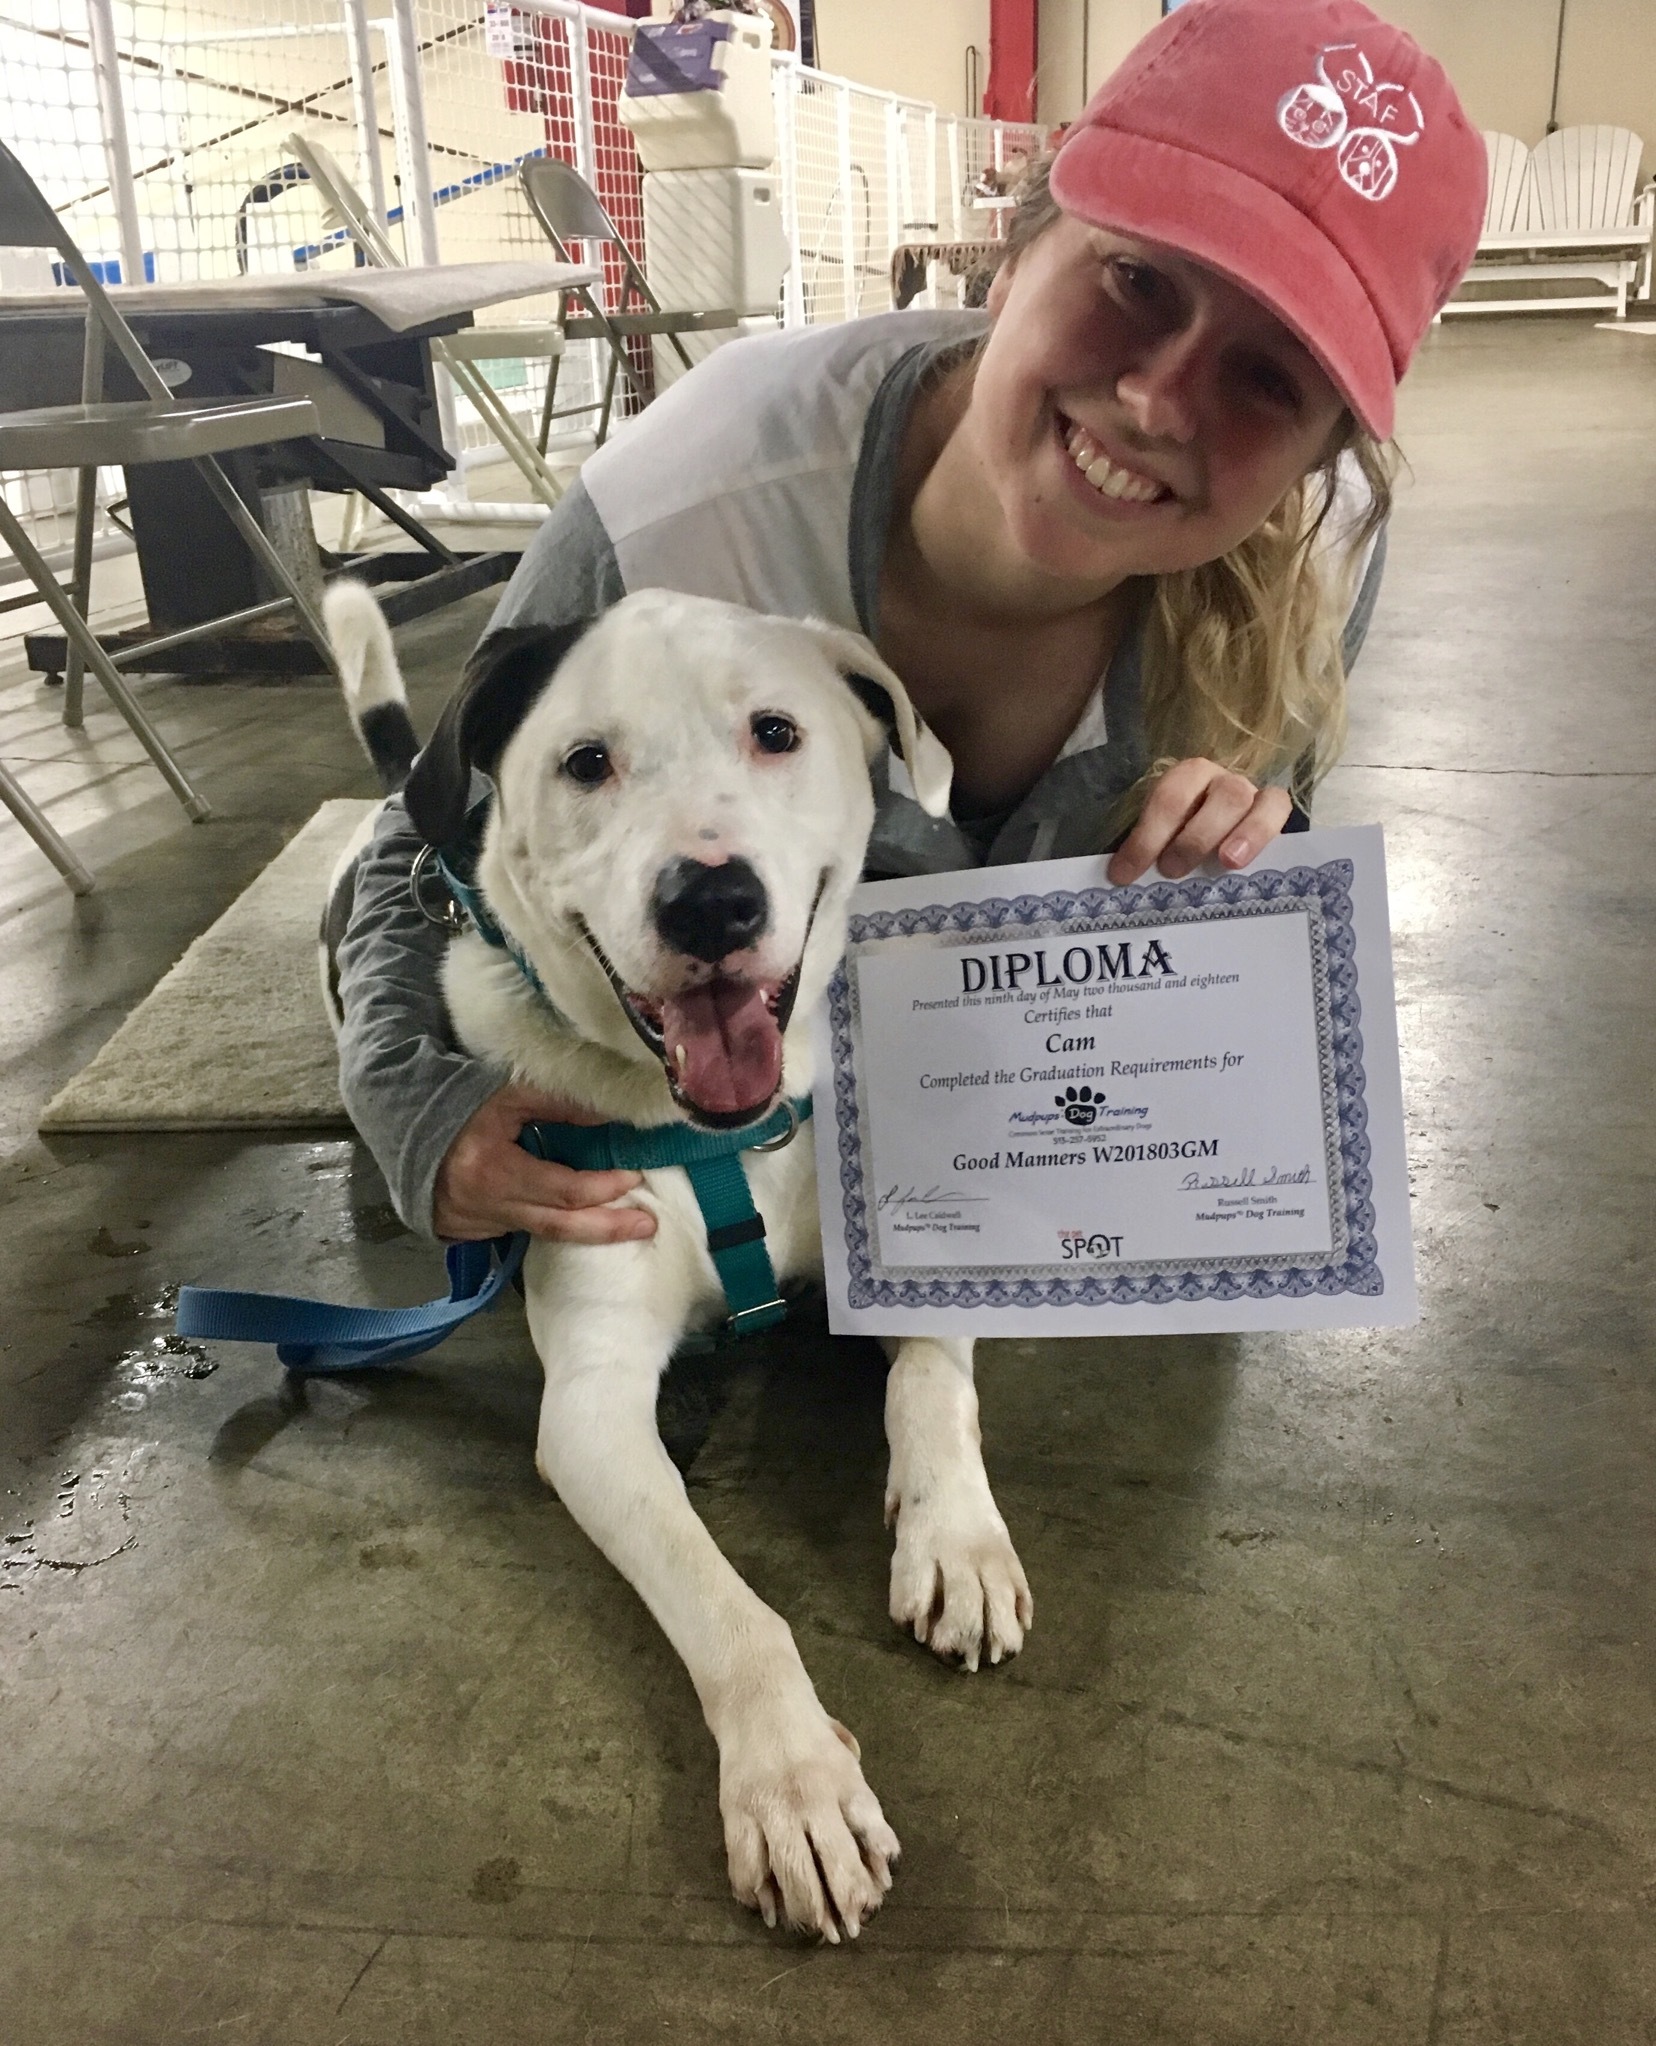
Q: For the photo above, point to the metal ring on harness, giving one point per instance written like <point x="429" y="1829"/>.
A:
<point x="447" y="916"/>
<point x="782" y="1142"/>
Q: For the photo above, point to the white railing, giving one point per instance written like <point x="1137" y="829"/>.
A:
<point x="158" y="128"/>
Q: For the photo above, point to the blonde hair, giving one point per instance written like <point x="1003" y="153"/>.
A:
<point x="1242" y="660"/>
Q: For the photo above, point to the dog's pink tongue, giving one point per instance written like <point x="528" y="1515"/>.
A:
<point x="724" y="1046"/>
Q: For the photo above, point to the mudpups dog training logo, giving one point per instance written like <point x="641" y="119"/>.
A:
<point x="1080" y="1106"/>
<point x="1364" y="119"/>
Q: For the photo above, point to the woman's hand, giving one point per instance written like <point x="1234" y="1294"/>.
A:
<point x="1196" y="810"/>
<point x="488" y="1185"/>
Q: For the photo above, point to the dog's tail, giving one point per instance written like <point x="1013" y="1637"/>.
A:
<point x="374" y="692"/>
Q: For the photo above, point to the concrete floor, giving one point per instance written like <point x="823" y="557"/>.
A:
<point x="323" y="1724"/>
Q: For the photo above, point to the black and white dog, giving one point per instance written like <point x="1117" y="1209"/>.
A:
<point x="682" y="804"/>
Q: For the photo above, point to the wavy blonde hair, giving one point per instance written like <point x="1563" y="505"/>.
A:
<point x="1242" y="660"/>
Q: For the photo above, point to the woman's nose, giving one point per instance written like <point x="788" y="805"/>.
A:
<point x="1159" y="391"/>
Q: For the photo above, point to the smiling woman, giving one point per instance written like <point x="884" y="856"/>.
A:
<point x="1243" y="623"/>
<point x="1119" y="535"/>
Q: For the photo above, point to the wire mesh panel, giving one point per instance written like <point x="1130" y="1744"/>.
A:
<point x="214" y="89"/>
<point x="57" y="108"/>
<point x="503" y="85"/>
<point x="160" y="130"/>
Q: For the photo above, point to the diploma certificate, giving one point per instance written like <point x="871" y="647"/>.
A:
<point x="1046" y="1106"/>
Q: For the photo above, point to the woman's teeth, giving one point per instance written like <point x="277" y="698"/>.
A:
<point x="1108" y="478"/>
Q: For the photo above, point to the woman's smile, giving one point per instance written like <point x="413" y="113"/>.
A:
<point x="1115" y="483"/>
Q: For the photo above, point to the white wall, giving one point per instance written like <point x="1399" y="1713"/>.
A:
<point x="1498" y="52"/>
<point x="915" y="47"/>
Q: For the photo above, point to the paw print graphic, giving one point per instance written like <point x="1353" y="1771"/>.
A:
<point x="1080" y="1105"/>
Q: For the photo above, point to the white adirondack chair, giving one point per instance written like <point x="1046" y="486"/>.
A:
<point x="1509" y="184"/>
<point x="1572" y="211"/>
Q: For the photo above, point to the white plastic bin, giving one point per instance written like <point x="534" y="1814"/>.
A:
<point x="698" y="94"/>
<point x="715" y="238"/>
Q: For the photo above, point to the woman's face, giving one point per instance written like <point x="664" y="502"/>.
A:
<point x="1134" y="412"/>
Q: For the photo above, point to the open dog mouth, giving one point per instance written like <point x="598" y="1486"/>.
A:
<point x="719" y="1042"/>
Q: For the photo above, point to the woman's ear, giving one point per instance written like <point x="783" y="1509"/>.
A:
<point x="880" y="691"/>
<point x="501" y="683"/>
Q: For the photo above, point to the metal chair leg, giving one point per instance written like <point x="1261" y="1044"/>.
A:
<point x="80" y="595"/>
<point x="552" y="369"/>
<point x="609" y="396"/>
<point x="79" y="634"/>
<point x="267" y="557"/>
<point x="530" y="465"/>
<point x="34" y="822"/>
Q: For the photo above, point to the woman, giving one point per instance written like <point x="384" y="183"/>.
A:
<point x="1109" y="533"/>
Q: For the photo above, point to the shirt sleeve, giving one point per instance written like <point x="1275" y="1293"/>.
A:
<point x="406" y="1085"/>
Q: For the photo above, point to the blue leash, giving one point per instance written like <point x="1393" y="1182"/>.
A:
<point x="314" y="1338"/>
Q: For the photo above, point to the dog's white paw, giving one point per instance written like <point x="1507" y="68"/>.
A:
<point x="956" y="1579"/>
<point x="807" y="1842"/>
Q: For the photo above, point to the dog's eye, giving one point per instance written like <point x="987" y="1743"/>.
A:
<point x="775" y="733"/>
<point x="588" y="764"/>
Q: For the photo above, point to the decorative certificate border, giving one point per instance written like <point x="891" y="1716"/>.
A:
<point x="1320" y="894"/>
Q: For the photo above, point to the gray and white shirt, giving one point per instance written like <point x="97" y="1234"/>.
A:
<point x="766" y="477"/>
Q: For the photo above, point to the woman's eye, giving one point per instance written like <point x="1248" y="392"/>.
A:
<point x="1138" y="281"/>
<point x="1275" y="386"/>
<point x="588" y="764"/>
<point x="773" y="733"/>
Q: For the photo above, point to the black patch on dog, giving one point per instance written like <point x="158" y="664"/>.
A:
<point x="502" y="682"/>
<point x="875" y="698"/>
<point x="391" y="741"/>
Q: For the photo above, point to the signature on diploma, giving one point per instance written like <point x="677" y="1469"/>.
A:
<point x="932" y="1197"/>
<point x="1217" y="1182"/>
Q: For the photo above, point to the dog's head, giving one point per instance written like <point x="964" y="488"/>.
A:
<point x="682" y="805"/>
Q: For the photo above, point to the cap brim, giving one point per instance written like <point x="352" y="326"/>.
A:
<point x="1157" y="192"/>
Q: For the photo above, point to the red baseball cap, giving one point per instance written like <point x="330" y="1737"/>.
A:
<point x="1305" y="149"/>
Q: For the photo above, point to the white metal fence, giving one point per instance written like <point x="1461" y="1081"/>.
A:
<point x="158" y="129"/>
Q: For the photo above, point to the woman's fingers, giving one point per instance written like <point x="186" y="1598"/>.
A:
<point x="1270" y="812"/>
<point x="585" y="1225"/>
<point x="1195" y="810"/>
<point x="488" y="1184"/>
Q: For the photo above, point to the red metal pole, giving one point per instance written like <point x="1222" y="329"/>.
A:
<point x="1012" y="59"/>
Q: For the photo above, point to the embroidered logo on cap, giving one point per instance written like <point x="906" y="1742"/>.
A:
<point x="1364" y="119"/>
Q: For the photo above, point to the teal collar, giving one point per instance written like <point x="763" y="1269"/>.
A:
<point x="712" y="1161"/>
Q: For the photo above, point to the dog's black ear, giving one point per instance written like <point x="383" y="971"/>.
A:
<point x="501" y="683"/>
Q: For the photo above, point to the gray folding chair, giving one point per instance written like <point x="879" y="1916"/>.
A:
<point x="570" y="212"/>
<point x="100" y="434"/>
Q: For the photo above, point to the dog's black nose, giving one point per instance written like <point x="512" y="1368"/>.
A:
<point x="707" y="912"/>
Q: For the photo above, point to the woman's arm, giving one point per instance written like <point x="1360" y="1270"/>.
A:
<point x="405" y="1085"/>
<point x="442" y="1125"/>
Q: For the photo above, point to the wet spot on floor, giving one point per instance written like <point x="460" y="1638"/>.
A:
<point x="164" y="1357"/>
<point x="497" y="1882"/>
<point x="120" y="1310"/>
<point x="102" y="1244"/>
<point x="378" y="1222"/>
<point x="388" y="1556"/>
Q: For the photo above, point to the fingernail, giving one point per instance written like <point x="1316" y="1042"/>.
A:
<point x="1174" y="866"/>
<point x="1234" y="852"/>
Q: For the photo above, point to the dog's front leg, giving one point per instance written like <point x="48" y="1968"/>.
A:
<point x="804" y="1834"/>
<point x="955" y="1576"/>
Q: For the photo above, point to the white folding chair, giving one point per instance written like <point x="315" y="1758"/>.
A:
<point x="458" y="353"/>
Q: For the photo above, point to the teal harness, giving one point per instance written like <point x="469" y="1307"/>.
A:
<point x="710" y="1158"/>
<point x="314" y="1337"/>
